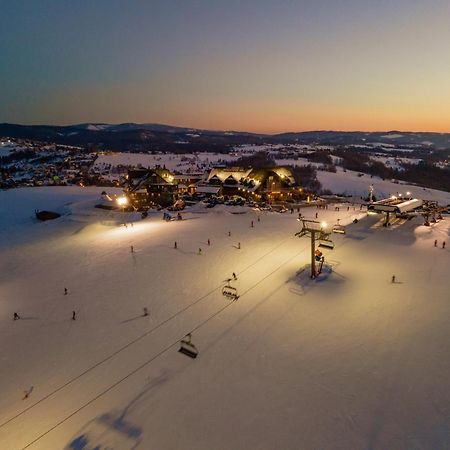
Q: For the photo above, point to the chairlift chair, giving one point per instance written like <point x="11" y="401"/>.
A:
<point x="339" y="229"/>
<point x="187" y="347"/>
<point x="325" y="243"/>
<point x="230" y="292"/>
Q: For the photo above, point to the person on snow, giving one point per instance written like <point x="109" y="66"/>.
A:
<point x="234" y="276"/>
<point x="443" y="244"/>
<point x="251" y="224"/>
<point x="65" y="291"/>
<point x="175" y="245"/>
<point x="74" y="315"/>
<point x="239" y="246"/>
<point x="199" y="251"/>
<point x="145" y="311"/>
<point x="16" y="316"/>
<point x="209" y="242"/>
<point x="393" y="278"/>
<point x="259" y="219"/>
<point x="132" y="249"/>
<point x="27" y="393"/>
<point x="435" y="242"/>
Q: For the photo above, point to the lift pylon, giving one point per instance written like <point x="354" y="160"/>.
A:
<point x="317" y="231"/>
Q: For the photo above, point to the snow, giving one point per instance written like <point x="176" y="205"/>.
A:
<point x="347" y="361"/>
<point x="17" y="209"/>
<point x="7" y="147"/>
<point x="396" y="162"/>
<point x="97" y="127"/>
<point x="392" y="136"/>
<point x="181" y="162"/>
<point x="349" y="183"/>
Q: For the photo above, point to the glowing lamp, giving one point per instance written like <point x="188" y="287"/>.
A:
<point x="122" y="201"/>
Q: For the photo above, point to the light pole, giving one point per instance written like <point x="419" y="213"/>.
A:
<point x="122" y="201"/>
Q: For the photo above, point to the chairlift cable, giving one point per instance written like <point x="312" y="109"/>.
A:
<point x="135" y="340"/>
<point x="153" y="358"/>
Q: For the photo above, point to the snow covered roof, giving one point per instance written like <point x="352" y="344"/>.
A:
<point x="235" y="172"/>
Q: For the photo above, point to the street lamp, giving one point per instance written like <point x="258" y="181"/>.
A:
<point x="122" y="201"/>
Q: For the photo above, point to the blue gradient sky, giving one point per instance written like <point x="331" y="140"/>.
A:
<point x="250" y="65"/>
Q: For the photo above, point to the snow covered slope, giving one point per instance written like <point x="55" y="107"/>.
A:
<point x="348" y="361"/>
<point x="349" y="183"/>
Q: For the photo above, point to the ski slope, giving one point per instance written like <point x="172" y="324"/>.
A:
<point x="350" y="184"/>
<point x="348" y="361"/>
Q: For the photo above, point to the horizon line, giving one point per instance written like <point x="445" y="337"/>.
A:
<point x="225" y="130"/>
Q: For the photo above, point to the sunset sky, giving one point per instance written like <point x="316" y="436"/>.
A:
<point x="263" y="65"/>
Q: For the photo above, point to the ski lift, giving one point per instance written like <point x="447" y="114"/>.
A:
<point x="338" y="229"/>
<point x="230" y="292"/>
<point x="326" y="243"/>
<point x="187" y="347"/>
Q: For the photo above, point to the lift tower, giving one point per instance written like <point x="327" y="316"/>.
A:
<point x="318" y="231"/>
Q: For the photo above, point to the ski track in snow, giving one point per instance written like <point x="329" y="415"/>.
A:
<point x="349" y="361"/>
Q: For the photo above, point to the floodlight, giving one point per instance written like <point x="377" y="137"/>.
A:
<point x="122" y="201"/>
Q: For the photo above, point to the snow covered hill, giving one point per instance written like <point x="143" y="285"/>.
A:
<point x="353" y="184"/>
<point x="347" y="361"/>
